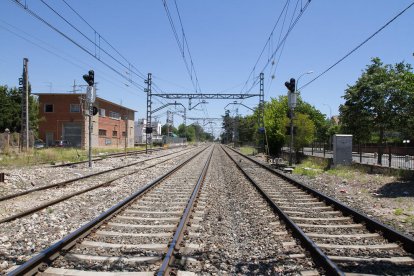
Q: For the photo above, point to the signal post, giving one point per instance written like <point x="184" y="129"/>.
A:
<point x="90" y="99"/>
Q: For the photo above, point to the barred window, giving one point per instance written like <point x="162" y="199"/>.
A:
<point x="114" y="115"/>
<point x="102" y="132"/>
<point x="75" y="108"/>
<point x="48" y="108"/>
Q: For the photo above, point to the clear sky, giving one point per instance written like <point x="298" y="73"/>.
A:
<point x="225" y="39"/>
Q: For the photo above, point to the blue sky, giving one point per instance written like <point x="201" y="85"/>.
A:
<point x="225" y="39"/>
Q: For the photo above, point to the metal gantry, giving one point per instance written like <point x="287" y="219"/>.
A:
<point x="210" y="96"/>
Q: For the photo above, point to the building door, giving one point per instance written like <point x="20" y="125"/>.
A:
<point x="72" y="132"/>
<point x="49" y="139"/>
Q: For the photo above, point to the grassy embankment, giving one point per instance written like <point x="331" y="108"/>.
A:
<point x="365" y="183"/>
<point x="54" y="155"/>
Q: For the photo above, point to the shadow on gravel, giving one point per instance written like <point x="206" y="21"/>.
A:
<point x="379" y="268"/>
<point x="264" y="268"/>
<point x="397" y="189"/>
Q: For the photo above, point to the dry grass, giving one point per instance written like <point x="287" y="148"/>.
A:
<point x="53" y="156"/>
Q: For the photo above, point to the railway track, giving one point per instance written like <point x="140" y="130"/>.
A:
<point x="341" y="240"/>
<point x="83" y="185"/>
<point x="109" y="155"/>
<point x="141" y="233"/>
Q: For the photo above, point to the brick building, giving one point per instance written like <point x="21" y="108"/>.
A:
<point x="62" y="118"/>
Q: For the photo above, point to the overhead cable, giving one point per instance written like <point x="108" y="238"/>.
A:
<point x="359" y="46"/>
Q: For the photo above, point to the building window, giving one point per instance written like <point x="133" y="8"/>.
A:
<point x="114" y="133"/>
<point x="114" y="115"/>
<point x="48" y="108"/>
<point x="101" y="112"/>
<point x="123" y="133"/>
<point x="102" y="132"/>
<point x="75" y="108"/>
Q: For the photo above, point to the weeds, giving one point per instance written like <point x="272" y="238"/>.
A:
<point x="51" y="156"/>
<point x="247" y="150"/>
<point x="398" y="211"/>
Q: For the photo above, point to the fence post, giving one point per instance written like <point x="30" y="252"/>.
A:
<point x="360" y="153"/>
<point x="313" y="143"/>
<point x="389" y="156"/>
<point x="324" y="150"/>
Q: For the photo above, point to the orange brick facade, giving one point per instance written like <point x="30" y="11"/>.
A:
<point x="62" y="118"/>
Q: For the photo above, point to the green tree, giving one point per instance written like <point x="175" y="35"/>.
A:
<point x="165" y="128"/>
<point x="10" y="110"/>
<point x="228" y="128"/>
<point x="275" y="116"/>
<point x="380" y="101"/>
<point x="305" y="130"/>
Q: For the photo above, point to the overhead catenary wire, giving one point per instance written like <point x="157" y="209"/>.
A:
<point x="181" y="45"/>
<point x="140" y="75"/>
<point x="184" y="48"/>
<point x="358" y="46"/>
<point x="272" y="73"/>
<point x="35" y="15"/>
<point x="282" y="41"/>
<point x="264" y="47"/>
<point x="53" y="51"/>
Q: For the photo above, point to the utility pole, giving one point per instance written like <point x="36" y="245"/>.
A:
<point x="90" y="99"/>
<point x="24" y="89"/>
<point x="126" y="131"/>
<point x="148" y="129"/>
<point x="262" y="130"/>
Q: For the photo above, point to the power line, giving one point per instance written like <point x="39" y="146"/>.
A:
<point x="70" y="59"/>
<point x="35" y="15"/>
<point x="139" y="74"/>
<point x="181" y="45"/>
<point x="360" y="45"/>
<point x="90" y="40"/>
<point x="282" y="41"/>
<point x="267" y="42"/>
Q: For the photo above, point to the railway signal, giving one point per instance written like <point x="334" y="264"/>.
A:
<point x="90" y="98"/>
<point x="291" y="86"/>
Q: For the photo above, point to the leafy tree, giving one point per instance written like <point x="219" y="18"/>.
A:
<point x="10" y="110"/>
<point x="164" y="129"/>
<point x="186" y="132"/>
<point x="380" y="101"/>
<point x="228" y="128"/>
<point x="305" y="130"/>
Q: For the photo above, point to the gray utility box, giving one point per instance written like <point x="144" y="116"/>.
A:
<point x="342" y="149"/>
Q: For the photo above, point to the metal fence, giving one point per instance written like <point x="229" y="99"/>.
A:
<point x="10" y="142"/>
<point x="393" y="157"/>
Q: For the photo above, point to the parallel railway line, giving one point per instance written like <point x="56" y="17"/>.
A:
<point x="247" y="219"/>
<point x="148" y="225"/>
<point x="106" y="156"/>
<point x="340" y="239"/>
<point x="83" y="185"/>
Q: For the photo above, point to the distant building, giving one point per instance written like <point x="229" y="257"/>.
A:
<point x="62" y="117"/>
<point x="140" y="136"/>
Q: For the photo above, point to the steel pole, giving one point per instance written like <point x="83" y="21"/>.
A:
<point x="90" y="134"/>
<point x="291" y="137"/>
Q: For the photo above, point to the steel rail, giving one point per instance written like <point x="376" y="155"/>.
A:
<point x="370" y="223"/>
<point x="99" y="158"/>
<point x="53" y="202"/>
<point x="44" y="258"/>
<point x="63" y="183"/>
<point x="169" y="257"/>
<point x="317" y="254"/>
